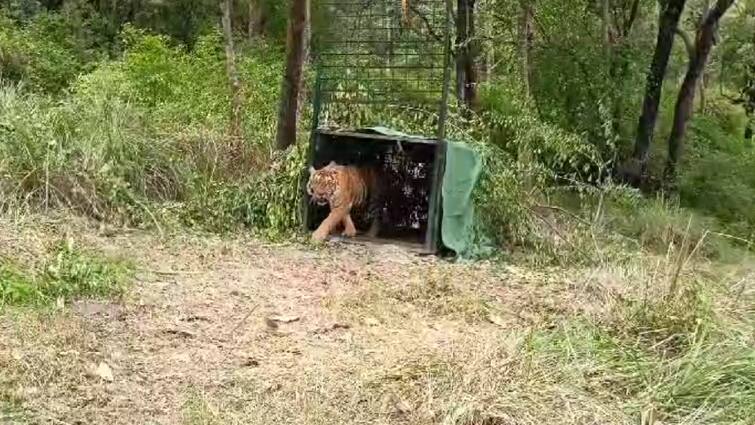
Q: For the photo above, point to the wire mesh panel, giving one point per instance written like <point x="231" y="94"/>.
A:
<point x="378" y="59"/>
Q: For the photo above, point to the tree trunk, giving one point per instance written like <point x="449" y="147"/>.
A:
<point x="466" y="55"/>
<point x="233" y="77"/>
<point x="257" y="19"/>
<point x="748" y="101"/>
<point x="606" y="27"/>
<point x="252" y="18"/>
<point x="307" y="31"/>
<point x="291" y="85"/>
<point x="306" y="45"/>
<point x="614" y="91"/>
<point x="619" y="66"/>
<point x="525" y="45"/>
<point x="668" y="23"/>
<point x="686" y="99"/>
<point x="749" y="104"/>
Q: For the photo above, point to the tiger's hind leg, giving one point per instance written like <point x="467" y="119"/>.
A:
<point x="374" y="228"/>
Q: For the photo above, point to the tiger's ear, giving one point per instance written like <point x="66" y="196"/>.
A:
<point x="332" y="164"/>
<point x="311" y="170"/>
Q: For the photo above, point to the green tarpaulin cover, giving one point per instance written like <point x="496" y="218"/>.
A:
<point x="463" y="166"/>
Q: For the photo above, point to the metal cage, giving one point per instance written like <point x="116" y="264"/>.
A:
<point x="385" y="62"/>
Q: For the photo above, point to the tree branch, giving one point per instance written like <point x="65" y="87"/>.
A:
<point x="632" y="17"/>
<point x="687" y="42"/>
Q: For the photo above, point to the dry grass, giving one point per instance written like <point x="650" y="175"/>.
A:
<point x="379" y="336"/>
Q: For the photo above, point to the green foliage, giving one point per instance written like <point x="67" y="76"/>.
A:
<point x="48" y="52"/>
<point x="76" y="272"/>
<point x="69" y="272"/>
<point x="150" y="64"/>
<point x="271" y="200"/>
<point x="141" y="140"/>
<point x="550" y="151"/>
<point x="718" y="175"/>
<point x="523" y="156"/>
<point x="268" y="201"/>
<point x="16" y="287"/>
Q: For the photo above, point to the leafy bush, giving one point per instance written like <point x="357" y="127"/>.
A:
<point x="150" y="65"/>
<point x="76" y="272"/>
<point x="524" y="157"/>
<point x="47" y="52"/>
<point x="718" y="175"/>
<point x="16" y="287"/>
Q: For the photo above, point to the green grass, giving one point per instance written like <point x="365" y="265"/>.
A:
<point x="197" y="410"/>
<point x="712" y="380"/>
<point x="68" y="272"/>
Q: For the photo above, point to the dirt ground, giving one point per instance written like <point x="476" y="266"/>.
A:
<point x="234" y="330"/>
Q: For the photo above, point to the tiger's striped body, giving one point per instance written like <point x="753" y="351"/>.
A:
<point x="343" y="187"/>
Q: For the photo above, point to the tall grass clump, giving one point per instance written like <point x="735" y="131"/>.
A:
<point x="671" y="342"/>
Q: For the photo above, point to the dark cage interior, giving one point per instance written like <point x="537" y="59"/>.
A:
<point x="405" y="174"/>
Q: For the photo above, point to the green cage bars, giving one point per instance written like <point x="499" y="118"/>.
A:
<point x="380" y="61"/>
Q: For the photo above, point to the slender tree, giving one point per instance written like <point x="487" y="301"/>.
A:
<point x="254" y="19"/>
<point x="618" y="19"/>
<point x="233" y="77"/>
<point x="748" y="101"/>
<point x="686" y="98"/>
<point x="466" y="54"/>
<point x="526" y="34"/>
<point x="291" y="85"/>
<point x="667" y="24"/>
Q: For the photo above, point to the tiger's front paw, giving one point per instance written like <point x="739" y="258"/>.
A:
<point x="350" y="232"/>
<point x="319" y="236"/>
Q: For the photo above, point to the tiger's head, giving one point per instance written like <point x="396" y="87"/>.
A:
<point x="323" y="183"/>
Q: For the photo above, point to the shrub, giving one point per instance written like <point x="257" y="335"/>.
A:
<point x="718" y="174"/>
<point x="47" y="52"/>
<point x="524" y="157"/>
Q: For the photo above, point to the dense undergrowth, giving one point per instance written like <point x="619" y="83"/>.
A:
<point x="142" y="141"/>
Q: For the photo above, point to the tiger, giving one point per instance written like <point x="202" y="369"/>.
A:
<point x="343" y="187"/>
